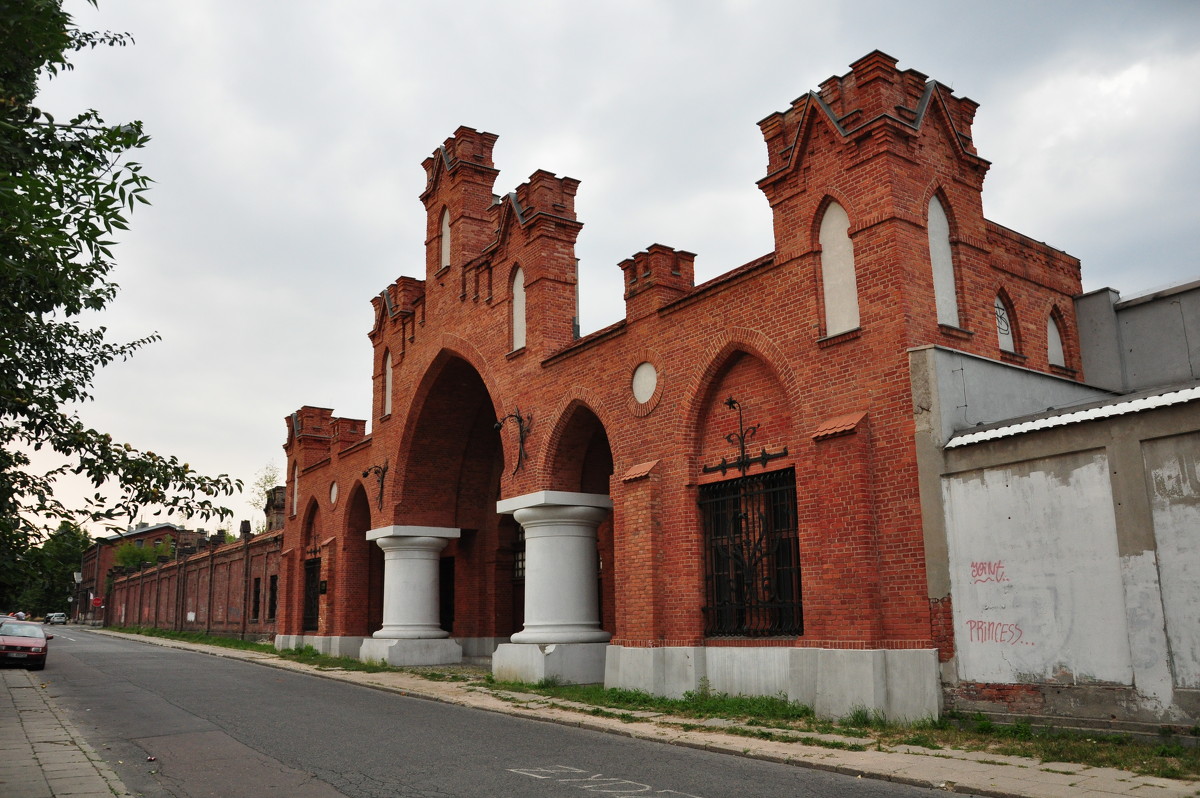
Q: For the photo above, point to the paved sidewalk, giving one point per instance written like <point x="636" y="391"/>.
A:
<point x="43" y="756"/>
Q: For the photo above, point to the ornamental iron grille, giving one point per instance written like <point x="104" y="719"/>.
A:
<point x="312" y="595"/>
<point x="752" y="549"/>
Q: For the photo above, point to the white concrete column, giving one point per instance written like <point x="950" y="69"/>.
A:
<point x="410" y="580"/>
<point x="562" y="603"/>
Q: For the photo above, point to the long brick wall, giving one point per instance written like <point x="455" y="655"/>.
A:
<point x="229" y="590"/>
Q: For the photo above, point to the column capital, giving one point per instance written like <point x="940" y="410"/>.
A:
<point x="547" y="498"/>
<point x="560" y="520"/>
<point x="395" y="531"/>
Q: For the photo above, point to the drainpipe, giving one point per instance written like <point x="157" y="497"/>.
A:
<point x="245" y="530"/>
<point x="208" y="614"/>
<point x="180" y="581"/>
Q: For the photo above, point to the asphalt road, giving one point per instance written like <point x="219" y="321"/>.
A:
<point x="227" y="728"/>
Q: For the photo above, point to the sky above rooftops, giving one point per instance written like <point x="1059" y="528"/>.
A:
<point x="288" y="138"/>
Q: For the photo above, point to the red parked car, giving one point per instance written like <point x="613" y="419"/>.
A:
<point x="23" y="643"/>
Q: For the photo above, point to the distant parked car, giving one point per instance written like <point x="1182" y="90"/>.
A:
<point x="55" y="617"/>
<point x="23" y="643"/>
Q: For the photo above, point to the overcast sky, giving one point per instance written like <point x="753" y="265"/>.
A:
<point x="287" y="138"/>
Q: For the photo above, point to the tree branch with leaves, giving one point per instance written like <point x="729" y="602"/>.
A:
<point x="66" y="189"/>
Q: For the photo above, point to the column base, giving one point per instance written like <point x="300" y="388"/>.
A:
<point x="548" y="634"/>
<point x="566" y="663"/>
<point x="426" y="651"/>
<point x="412" y="631"/>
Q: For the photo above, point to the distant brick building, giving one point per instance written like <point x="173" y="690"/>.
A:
<point x="96" y="568"/>
<point x="723" y="486"/>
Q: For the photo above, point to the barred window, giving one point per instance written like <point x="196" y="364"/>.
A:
<point x="753" y="556"/>
<point x="272" y="597"/>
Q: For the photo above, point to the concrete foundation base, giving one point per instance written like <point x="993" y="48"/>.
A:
<point x="329" y="646"/>
<point x="427" y="651"/>
<point x="900" y="684"/>
<point x="568" y="663"/>
<point x="478" y="648"/>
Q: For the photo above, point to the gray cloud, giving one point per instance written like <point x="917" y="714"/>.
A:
<point x="288" y="138"/>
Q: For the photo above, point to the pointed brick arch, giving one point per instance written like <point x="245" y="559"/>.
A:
<point x="579" y="459"/>
<point x="363" y="567"/>
<point x="448" y="471"/>
<point x="1066" y="342"/>
<point x="839" y="270"/>
<point x="940" y="225"/>
<point x="311" y="531"/>
<point x="717" y="356"/>
<point x="450" y="423"/>
<point x="577" y="449"/>
<point x="452" y="349"/>
<point x="517" y="311"/>
<point x="562" y="418"/>
<point x="1007" y="326"/>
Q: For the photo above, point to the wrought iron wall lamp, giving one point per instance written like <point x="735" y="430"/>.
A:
<point x="524" y="424"/>
<point x="380" y="471"/>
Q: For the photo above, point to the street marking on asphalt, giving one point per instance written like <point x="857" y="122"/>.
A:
<point x="597" y="782"/>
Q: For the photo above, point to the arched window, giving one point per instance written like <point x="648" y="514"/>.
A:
<point x="518" y="309"/>
<point x="445" y="239"/>
<point x="837" y="271"/>
<point x="1006" y="324"/>
<point x="1054" y="343"/>
<point x="386" y="409"/>
<point x="944" y="292"/>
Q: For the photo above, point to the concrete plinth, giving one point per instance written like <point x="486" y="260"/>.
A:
<point x="428" y="651"/>
<point x="328" y="645"/>
<point x="902" y="685"/>
<point x="567" y="663"/>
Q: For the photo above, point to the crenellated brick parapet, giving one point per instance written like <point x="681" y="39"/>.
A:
<point x="655" y="277"/>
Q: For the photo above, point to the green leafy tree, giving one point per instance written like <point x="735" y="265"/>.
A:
<point x="65" y="189"/>
<point x="49" y="570"/>
<point x="131" y="555"/>
<point x="259" y="492"/>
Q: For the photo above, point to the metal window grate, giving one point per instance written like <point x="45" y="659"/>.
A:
<point x="753" y="556"/>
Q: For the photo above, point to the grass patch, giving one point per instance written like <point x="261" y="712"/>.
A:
<point x="863" y="718"/>
<point x="307" y="655"/>
<point x="697" y="704"/>
<point x="196" y="637"/>
<point x="920" y="740"/>
<point x="435" y="675"/>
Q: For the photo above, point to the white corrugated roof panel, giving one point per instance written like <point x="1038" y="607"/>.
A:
<point x="1118" y="408"/>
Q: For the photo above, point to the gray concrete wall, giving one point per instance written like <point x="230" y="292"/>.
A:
<point x="972" y="391"/>
<point x="953" y="392"/>
<point x="1141" y="342"/>
<point x="1160" y="336"/>
<point x="1071" y="557"/>
<point x="1100" y="339"/>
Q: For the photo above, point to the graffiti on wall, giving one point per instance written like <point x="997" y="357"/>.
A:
<point x="1035" y="573"/>
<point x="1009" y="634"/>
<point x="988" y="571"/>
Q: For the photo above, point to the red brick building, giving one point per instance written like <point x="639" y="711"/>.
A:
<point x="720" y="488"/>
<point x="205" y="584"/>
<point x="97" y="566"/>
